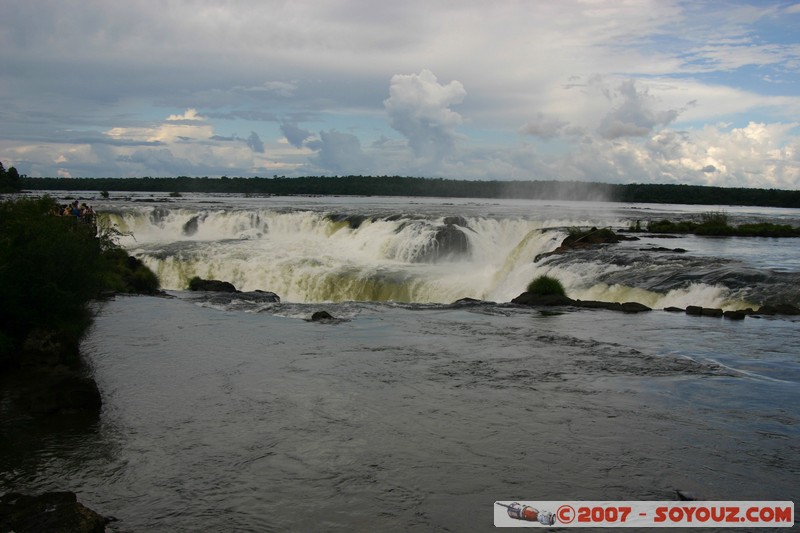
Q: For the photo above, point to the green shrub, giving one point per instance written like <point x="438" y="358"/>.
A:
<point x="545" y="286"/>
<point x="51" y="267"/>
<point x="714" y="218"/>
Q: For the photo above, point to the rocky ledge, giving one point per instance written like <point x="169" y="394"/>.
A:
<point x="58" y="512"/>
<point x="215" y="285"/>
<point x="550" y="300"/>
<point x="51" y="378"/>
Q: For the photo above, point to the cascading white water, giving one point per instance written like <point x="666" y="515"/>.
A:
<point x="313" y="256"/>
<point x="309" y="256"/>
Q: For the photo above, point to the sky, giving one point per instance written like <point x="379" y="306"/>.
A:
<point x="618" y="91"/>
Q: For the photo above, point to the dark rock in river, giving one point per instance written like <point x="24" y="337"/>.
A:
<point x="694" y="310"/>
<point x="354" y="221"/>
<point x="56" y="512"/>
<point x="456" y="221"/>
<point x="627" y="307"/>
<point x="674" y="310"/>
<point x="634" y="307"/>
<point x="448" y="241"/>
<point x="712" y="312"/>
<point x="190" y="228"/>
<point x="546" y="300"/>
<point x="264" y="296"/>
<point x="470" y="301"/>
<point x="778" y="309"/>
<point x="197" y="284"/>
<point x="734" y="315"/>
<point x="586" y="239"/>
<point x="549" y="300"/>
<point x="321" y="315"/>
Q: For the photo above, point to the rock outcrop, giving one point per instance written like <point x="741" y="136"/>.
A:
<point x="57" y="512"/>
<point x="319" y="316"/>
<point x="550" y="300"/>
<point x="586" y="239"/>
<point x="778" y="309"/>
<point x="211" y="285"/>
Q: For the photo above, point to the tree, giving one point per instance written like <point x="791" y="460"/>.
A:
<point x="10" y="180"/>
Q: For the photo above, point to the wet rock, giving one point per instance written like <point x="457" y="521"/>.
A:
<point x="778" y="309"/>
<point x="634" y="307"/>
<point x="190" y="228"/>
<point x="56" y="512"/>
<point x="674" y="310"/>
<point x="60" y="391"/>
<point x="265" y="296"/>
<point x="214" y="285"/>
<point x="734" y="315"/>
<point x="321" y="315"/>
<point x="627" y="307"/>
<point x="545" y="300"/>
<point x="586" y="239"/>
<point x="456" y="221"/>
<point x="549" y="300"/>
<point x="470" y="301"/>
<point x="44" y="348"/>
<point x="449" y="240"/>
<point x="694" y="310"/>
<point x="354" y="221"/>
<point x="663" y="249"/>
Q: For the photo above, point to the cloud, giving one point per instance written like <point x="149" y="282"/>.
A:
<point x="340" y="153"/>
<point x="635" y="116"/>
<point x="85" y="85"/>
<point x="176" y="127"/>
<point x="188" y="117"/>
<point x="255" y="143"/>
<point x="545" y="128"/>
<point x="294" y="134"/>
<point x="419" y="107"/>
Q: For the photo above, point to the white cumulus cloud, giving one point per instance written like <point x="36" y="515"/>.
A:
<point x="419" y="108"/>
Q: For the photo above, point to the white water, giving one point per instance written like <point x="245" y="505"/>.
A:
<point x="304" y="256"/>
<point x="311" y="253"/>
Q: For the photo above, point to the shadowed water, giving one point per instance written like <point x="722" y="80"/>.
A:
<point x="416" y="418"/>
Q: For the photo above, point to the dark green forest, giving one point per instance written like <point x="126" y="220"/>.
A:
<point x="410" y="186"/>
<point x="10" y="180"/>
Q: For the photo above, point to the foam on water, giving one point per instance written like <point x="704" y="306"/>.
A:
<point x="314" y="255"/>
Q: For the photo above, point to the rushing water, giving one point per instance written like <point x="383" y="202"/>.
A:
<point x="224" y="412"/>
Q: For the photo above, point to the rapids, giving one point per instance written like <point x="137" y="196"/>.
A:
<point x="402" y="251"/>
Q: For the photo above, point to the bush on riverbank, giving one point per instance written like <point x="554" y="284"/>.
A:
<point x="546" y="286"/>
<point x="51" y="267"/>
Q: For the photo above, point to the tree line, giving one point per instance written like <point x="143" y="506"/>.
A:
<point x="414" y="186"/>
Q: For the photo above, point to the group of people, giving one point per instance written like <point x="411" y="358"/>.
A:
<point x="82" y="212"/>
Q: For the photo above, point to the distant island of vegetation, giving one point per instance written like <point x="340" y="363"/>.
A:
<point x="439" y="187"/>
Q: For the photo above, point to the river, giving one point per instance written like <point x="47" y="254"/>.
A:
<point x="409" y="412"/>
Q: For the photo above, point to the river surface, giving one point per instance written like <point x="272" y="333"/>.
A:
<point x="232" y="413"/>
